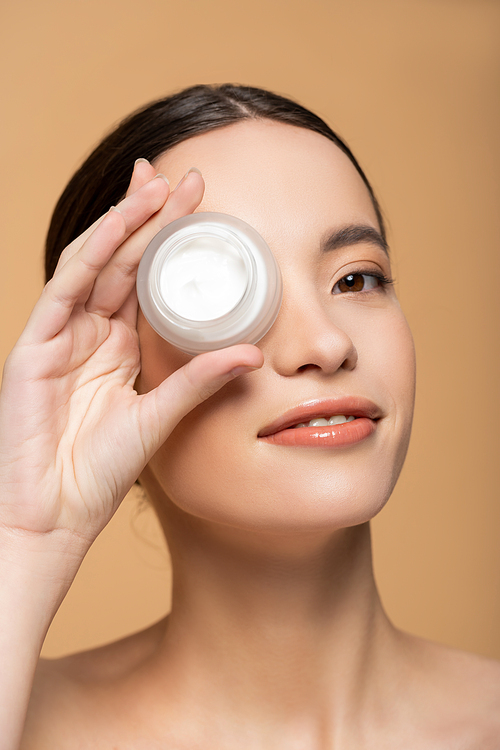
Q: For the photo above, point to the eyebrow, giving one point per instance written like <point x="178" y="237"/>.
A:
<point x="352" y="235"/>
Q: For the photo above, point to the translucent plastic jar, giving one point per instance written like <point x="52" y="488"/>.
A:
<point x="207" y="281"/>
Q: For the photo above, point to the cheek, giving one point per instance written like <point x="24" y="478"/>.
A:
<point x="203" y="460"/>
<point x="387" y="357"/>
<point x="207" y="459"/>
<point x="393" y="354"/>
<point x="398" y="360"/>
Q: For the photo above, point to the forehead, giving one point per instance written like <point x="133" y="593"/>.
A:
<point x="291" y="184"/>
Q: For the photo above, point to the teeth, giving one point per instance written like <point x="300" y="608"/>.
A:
<point x="339" y="419"/>
<point x="321" y="421"/>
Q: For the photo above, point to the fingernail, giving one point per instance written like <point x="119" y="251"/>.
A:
<point x="242" y="369"/>
<point x="193" y="169"/>
<point x="114" y="208"/>
<point x="162" y="176"/>
<point x="141" y="161"/>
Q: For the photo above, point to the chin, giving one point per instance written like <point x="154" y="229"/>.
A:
<point x="319" y="500"/>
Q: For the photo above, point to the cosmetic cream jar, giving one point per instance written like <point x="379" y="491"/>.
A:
<point x="208" y="281"/>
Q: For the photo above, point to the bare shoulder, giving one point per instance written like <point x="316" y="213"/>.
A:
<point x="460" y="694"/>
<point x="69" y="690"/>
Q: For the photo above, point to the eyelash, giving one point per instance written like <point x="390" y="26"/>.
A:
<point x="383" y="280"/>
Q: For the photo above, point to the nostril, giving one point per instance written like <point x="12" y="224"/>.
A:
<point x="303" y="368"/>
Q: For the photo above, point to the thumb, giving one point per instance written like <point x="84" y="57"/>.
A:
<point x="193" y="383"/>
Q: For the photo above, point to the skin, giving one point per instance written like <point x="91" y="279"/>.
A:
<point x="277" y="637"/>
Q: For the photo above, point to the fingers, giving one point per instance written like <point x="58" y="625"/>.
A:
<point x="98" y="270"/>
<point x="73" y="282"/>
<point x="143" y="172"/>
<point x="204" y="375"/>
<point x="77" y="243"/>
<point x="117" y="279"/>
<point x="128" y="311"/>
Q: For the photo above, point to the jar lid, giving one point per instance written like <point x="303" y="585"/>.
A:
<point x="207" y="281"/>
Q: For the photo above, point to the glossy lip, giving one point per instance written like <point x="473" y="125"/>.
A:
<point x="355" y="406"/>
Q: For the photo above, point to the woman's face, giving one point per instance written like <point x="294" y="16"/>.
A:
<point x="334" y="348"/>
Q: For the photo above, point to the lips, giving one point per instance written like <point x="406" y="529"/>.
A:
<point x="284" y="430"/>
<point x="354" y="406"/>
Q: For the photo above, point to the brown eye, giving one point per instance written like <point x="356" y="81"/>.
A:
<point x="355" y="282"/>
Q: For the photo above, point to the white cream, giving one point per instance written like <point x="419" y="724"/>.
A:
<point x="203" y="279"/>
<point x="207" y="281"/>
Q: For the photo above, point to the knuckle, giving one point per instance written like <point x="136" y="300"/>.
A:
<point x="57" y="294"/>
<point x="126" y="267"/>
<point x="94" y="266"/>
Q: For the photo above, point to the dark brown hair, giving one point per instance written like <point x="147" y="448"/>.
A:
<point x="103" y="178"/>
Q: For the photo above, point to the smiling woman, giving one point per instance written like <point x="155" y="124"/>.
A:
<point x="264" y="463"/>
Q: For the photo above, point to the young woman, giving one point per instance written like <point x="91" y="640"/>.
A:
<point x="277" y="637"/>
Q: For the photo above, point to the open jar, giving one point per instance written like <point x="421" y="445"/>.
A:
<point x="207" y="281"/>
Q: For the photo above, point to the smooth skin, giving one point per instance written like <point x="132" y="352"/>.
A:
<point x="277" y="637"/>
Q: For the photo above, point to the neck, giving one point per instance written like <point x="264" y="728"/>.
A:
<point x="284" y="626"/>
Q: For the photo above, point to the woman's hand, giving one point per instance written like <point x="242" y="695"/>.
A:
<point x="74" y="434"/>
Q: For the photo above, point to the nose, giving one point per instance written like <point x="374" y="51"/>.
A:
<point x="305" y="336"/>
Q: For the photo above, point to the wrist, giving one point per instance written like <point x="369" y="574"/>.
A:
<point x="36" y="571"/>
<point x="39" y="567"/>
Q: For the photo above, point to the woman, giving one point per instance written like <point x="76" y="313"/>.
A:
<point x="277" y="637"/>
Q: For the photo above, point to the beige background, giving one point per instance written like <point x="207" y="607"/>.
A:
<point x="413" y="87"/>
